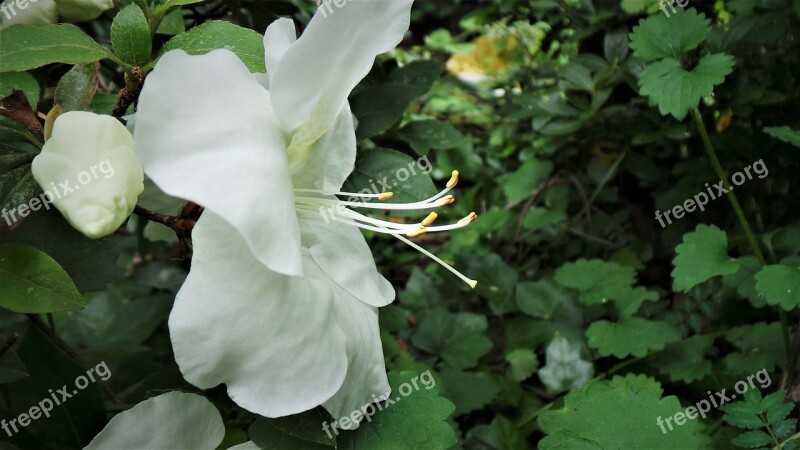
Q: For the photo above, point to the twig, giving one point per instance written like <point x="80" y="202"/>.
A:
<point x="178" y="224"/>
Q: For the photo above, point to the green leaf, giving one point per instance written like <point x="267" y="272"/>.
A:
<point x="33" y="282"/>
<point x="779" y="285"/>
<point x="17" y="187"/>
<point x="630" y="336"/>
<point x="11" y="367"/>
<point x="752" y="439"/>
<point x="702" y="255"/>
<point x="424" y="135"/>
<point x="27" y="47"/>
<point x="522" y="364"/>
<point x="639" y="6"/>
<point x="458" y="338"/>
<point x="598" y="281"/>
<point x="785" y="134"/>
<point x="761" y="347"/>
<point x="170" y="5"/>
<point x="629" y="404"/>
<point x="247" y="44"/>
<point x="660" y="36"/>
<point x="300" y="431"/>
<point x="382" y="169"/>
<point x="501" y="434"/>
<point x="91" y="263"/>
<point x="496" y="281"/>
<point x="413" y="422"/>
<point x="685" y="360"/>
<point x="77" y="87"/>
<point x="23" y="81"/>
<point x="469" y="391"/>
<point x="540" y="299"/>
<point x="379" y="107"/>
<point x="524" y="181"/>
<point x="71" y="423"/>
<point x="676" y="90"/>
<point x="130" y="36"/>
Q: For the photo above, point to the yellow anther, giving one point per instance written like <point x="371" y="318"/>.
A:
<point x="429" y="220"/>
<point x="469" y="219"/>
<point x="446" y="200"/>
<point x="385" y="196"/>
<point x="453" y="179"/>
<point x="418" y="232"/>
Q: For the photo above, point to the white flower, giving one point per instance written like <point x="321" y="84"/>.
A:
<point x="89" y="170"/>
<point x="279" y="305"/>
<point x="168" y="421"/>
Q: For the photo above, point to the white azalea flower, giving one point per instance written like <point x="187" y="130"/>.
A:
<point x="89" y="170"/>
<point x="175" y="420"/>
<point x="279" y="305"/>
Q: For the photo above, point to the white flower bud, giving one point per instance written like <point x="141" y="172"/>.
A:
<point x="89" y="170"/>
<point x="82" y="10"/>
<point x="38" y="13"/>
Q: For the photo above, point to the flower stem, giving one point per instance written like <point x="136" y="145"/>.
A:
<point x="737" y="208"/>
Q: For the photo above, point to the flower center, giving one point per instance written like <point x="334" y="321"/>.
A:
<point x="327" y="205"/>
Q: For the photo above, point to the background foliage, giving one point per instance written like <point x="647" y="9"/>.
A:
<point x="571" y="123"/>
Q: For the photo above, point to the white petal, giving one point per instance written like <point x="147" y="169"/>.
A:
<point x="205" y="132"/>
<point x="175" y="420"/>
<point x="366" y="372"/>
<point x="342" y="253"/>
<point x="249" y="445"/>
<point x="332" y="158"/>
<point x="317" y="73"/>
<point x="269" y="337"/>
<point x="280" y="35"/>
<point x="90" y="172"/>
<point x="43" y="12"/>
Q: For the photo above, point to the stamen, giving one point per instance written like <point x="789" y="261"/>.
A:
<point x="472" y="283"/>
<point x="418" y="232"/>
<point x="385" y="196"/>
<point x="453" y="180"/>
<point x="429" y="220"/>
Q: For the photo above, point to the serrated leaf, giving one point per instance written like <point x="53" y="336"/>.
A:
<point x="779" y="285"/>
<point x="522" y="364"/>
<point x="660" y="36"/>
<point x="702" y="255"/>
<point x="676" y="90"/>
<point x="540" y="299"/>
<point x="130" y="36"/>
<point x="457" y="338"/>
<point x="630" y="336"/>
<point x="785" y="134"/>
<point x="627" y="404"/>
<point x="414" y="422"/>
<point x="501" y="434"/>
<point x="77" y="87"/>
<point x="752" y="439"/>
<point x="685" y="360"/>
<point x="761" y="348"/>
<point x="469" y="391"/>
<point x="28" y="47"/>
<point x="247" y="44"/>
<point x="33" y="282"/>
<point x="598" y="281"/>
